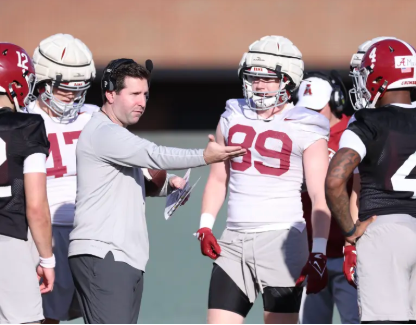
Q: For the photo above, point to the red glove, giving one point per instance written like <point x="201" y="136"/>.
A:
<point x="209" y="245"/>
<point x="317" y="273"/>
<point x="350" y="264"/>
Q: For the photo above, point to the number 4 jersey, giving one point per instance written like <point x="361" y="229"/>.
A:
<point x="265" y="183"/>
<point x="61" y="164"/>
<point x="385" y="138"/>
<point x="21" y="135"/>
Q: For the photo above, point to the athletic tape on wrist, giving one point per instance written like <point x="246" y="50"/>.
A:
<point x="47" y="263"/>
<point x="319" y="245"/>
<point x="207" y="221"/>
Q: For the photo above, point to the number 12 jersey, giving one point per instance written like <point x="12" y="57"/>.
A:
<point x="21" y="135"/>
<point x="265" y="184"/>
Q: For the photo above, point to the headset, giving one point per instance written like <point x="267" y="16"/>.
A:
<point x="337" y="101"/>
<point x="108" y="83"/>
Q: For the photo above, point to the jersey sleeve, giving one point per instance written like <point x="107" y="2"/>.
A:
<point x="36" y="139"/>
<point x="233" y="108"/>
<point x="365" y="126"/>
<point x="35" y="163"/>
<point x="311" y="126"/>
<point x="351" y="140"/>
<point x="89" y="109"/>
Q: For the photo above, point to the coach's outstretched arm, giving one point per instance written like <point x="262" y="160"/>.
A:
<point x="120" y="146"/>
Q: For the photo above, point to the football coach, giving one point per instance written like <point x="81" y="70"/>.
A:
<point x="109" y="246"/>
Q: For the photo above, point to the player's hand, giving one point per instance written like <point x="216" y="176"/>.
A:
<point x="350" y="264"/>
<point x="316" y="272"/>
<point x="360" y="229"/>
<point x="214" y="152"/>
<point x="209" y="245"/>
<point x="48" y="279"/>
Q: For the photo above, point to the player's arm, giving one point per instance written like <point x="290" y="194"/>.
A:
<point x="340" y="170"/>
<point x="350" y="252"/>
<point x="352" y="151"/>
<point x="216" y="187"/>
<point x="315" y="160"/>
<point x="212" y="200"/>
<point x="38" y="216"/>
<point x="355" y="198"/>
<point x="37" y="212"/>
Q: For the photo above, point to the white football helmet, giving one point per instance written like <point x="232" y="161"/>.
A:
<point x="64" y="62"/>
<point x="271" y="57"/>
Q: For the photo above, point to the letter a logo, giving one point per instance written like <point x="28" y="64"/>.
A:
<point x="308" y="90"/>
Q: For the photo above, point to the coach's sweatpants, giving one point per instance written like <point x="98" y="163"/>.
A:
<point x="108" y="291"/>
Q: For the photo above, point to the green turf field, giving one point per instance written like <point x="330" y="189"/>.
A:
<point x="177" y="275"/>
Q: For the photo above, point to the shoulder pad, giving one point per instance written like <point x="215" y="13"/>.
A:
<point x="89" y="109"/>
<point x="12" y="120"/>
<point x="308" y="120"/>
<point x="234" y="107"/>
<point x="380" y="113"/>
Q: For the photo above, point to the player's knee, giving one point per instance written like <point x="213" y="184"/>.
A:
<point x="224" y="294"/>
<point x="282" y="299"/>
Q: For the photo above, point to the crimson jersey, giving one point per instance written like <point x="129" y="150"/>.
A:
<point x="21" y="135"/>
<point x="336" y="239"/>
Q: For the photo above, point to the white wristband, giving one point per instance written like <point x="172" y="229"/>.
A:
<point x="319" y="245"/>
<point x="47" y="263"/>
<point x="207" y="221"/>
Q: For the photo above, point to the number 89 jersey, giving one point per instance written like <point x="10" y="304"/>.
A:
<point x="61" y="168"/>
<point x="265" y="183"/>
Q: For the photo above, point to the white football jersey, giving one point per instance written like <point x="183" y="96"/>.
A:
<point x="265" y="184"/>
<point x="61" y="168"/>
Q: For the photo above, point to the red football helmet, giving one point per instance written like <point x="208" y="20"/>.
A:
<point x="387" y="64"/>
<point x="17" y="75"/>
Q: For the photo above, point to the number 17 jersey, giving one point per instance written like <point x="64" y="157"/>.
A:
<point x="61" y="169"/>
<point x="265" y="184"/>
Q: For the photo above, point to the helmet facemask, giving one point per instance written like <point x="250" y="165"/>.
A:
<point x="359" y="95"/>
<point x="15" y="88"/>
<point x="64" y="111"/>
<point x="264" y="100"/>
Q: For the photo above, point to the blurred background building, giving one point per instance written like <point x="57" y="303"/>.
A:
<point x="196" y="46"/>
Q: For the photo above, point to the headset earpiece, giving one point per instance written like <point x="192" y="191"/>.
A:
<point x="337" y="101"/>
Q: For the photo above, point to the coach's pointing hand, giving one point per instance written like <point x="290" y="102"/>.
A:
<point x="214" y="152"/>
